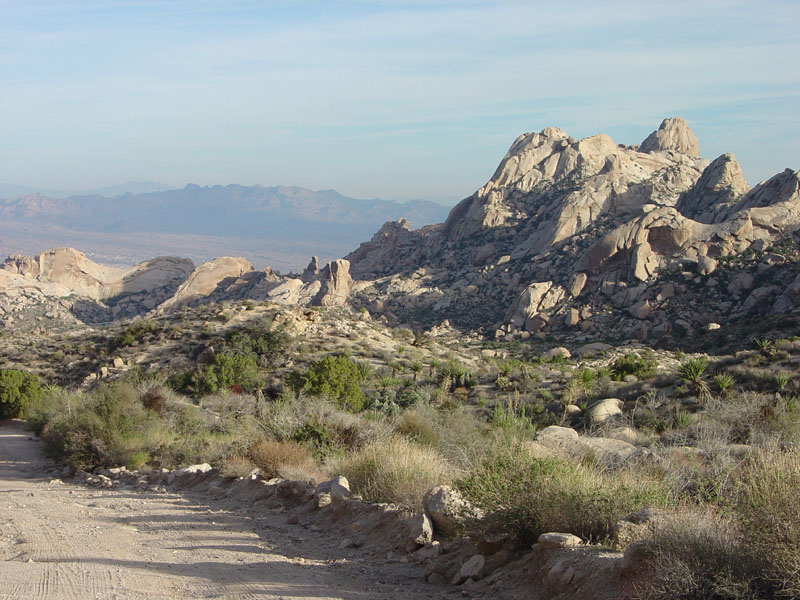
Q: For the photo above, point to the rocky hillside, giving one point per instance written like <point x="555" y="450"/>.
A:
<point x="585" y="239"/>
<point x="587" y="235"/>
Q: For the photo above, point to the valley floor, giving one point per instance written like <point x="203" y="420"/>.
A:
<point x="60" y="540"/>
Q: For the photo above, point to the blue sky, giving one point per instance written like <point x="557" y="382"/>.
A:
<point x="389" y="99"/>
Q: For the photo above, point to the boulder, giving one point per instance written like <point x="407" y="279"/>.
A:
<point x="447" y="509"/>
<point x="603" y="410"/>
<point x="473" y="568"/>
<point x="558" y="351"/>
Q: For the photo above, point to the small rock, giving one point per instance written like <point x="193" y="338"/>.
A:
<point x="293" y="520"/>
<point x="560" y="575"/>
<point x="553" y="540"/>
<point x="420" y="530"/>
<point x="347" y="543"/>
<point x="558" y="351"/>
<point x="473" y="568"/>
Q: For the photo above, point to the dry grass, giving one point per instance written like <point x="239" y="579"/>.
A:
<point x="236" y="465"/>
<point x="282" y="459"/>
<point x="748" y="549"/>
<point x="397" y="471"/>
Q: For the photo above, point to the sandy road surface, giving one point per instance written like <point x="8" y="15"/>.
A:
<point x="61" y="540"/>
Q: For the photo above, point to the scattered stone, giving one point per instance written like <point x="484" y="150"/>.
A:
<point x="559" y="351"/>
<point x="472" y="569"/>
<point x="554" y="540"/>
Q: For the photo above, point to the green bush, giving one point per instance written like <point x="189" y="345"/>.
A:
<point x="642" y="365"/>
<point x="268" y="344"/>
<point x="20" y="392"/>
<point x="336" y="377"/>
<point x="525" y="496"/>
<point x="224" y="372"/>
<point x="133" y="333"/>
<point x="109" y="427"/>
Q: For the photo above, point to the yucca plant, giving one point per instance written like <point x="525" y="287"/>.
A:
<point x="692" y="371"/>
<point x="723" y="381"/>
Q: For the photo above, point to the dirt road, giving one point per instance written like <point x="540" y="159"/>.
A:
<point x="61" y="540"/>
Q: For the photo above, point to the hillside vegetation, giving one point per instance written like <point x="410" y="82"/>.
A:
<point x="534" y="439"/>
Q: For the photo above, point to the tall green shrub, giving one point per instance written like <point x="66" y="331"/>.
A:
<point x="19" y="392"/>
<point x="336" y="377"/>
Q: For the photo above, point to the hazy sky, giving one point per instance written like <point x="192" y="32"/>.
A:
<point x="390" y="99"/>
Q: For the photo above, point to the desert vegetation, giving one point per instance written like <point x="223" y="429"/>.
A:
<point x="708" y="442"/>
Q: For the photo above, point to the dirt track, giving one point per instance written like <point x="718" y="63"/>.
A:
<point x="62" y="540"/>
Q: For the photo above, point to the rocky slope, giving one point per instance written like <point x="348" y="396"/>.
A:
<point x="585" y="238"/>
<point x="590" y="234"/>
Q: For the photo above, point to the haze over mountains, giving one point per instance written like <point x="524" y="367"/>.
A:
<point x="276" y="226"/>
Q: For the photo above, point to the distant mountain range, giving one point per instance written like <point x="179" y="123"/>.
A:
<point x="11" y="190"/>
<point x="288" y="223"/>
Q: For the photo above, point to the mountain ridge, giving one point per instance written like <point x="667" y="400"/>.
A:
<point x="586" y="238"/>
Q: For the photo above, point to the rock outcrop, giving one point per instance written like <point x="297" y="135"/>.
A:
<point x="580" y="234"/>
<point x="336" y="285"/>
<point x="68" y="285"/>
<point x="568" y="235"/>
<point x="206" y="278"/>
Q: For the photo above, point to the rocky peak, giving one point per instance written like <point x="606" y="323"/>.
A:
<point x="673" y="135"/>
<point x="720" y="186"/>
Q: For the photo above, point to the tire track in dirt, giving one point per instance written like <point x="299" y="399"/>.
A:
<point x="67" y="541"/>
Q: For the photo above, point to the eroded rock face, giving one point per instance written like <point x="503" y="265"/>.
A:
<point x="720" y="186"/>
<point x="83" y="277"/>
<point x="566" y="228"/>
<point x="206" y="278"/>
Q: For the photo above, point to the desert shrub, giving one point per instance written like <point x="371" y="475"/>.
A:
<point x="692" y="371"/>
<point x="458" y="374"/>
<point x="109" y="427"/>
<point x="321" y="425"/>
<point x="525" y="496"/>
<point x="133" y="333"/>
<point x="236" y="465"/>
<point x="155" y="398"/>
<point x="750" y="418"/>
<point x="698" y="554"/>
<point x="226" y="370"/>
<point x="269" y="344"/>
<point x="278" y="459"/>
<point x="334" y="377"/>
<point x="723" y="381"/>
<point x="641" y="365"/>
<point x="747" y="547"/>
<point x="414" y="426"/>
<point x="20" y="392"/>
<point x="397" y="471"/>
<point x="765" y="500"/>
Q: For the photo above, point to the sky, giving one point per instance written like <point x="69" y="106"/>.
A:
<point x="406" y="99"/>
